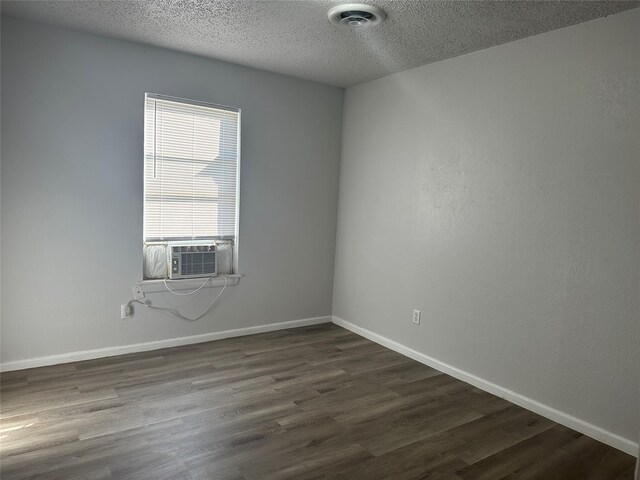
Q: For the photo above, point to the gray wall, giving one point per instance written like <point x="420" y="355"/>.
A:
<point x="72" y="140"/>
<point x="498" y="193"/>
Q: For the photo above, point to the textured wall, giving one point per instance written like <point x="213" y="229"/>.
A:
<point x="72" y="145"/>
<point x="498" y="193"/>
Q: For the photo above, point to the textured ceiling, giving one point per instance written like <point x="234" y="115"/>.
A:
<point x="296" y="38"/>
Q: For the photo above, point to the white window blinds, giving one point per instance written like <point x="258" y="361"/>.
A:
<point x="190" y="169"/>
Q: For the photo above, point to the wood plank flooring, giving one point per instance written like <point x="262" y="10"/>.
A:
<point x="314" y="403"/>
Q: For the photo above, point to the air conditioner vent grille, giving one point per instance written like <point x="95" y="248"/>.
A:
<point x="198" y="264"/>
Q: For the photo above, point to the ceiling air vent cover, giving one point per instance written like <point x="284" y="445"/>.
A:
<point x="356" y="15"/>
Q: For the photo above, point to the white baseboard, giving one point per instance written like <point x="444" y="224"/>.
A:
<point x="155" y="345"/>
<point x="557" y="416"/>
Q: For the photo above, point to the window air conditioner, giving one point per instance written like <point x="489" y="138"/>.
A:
<point x="190" y="260"/>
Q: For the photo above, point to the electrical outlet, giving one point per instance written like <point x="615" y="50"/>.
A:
<point x="137" y="291"/>
<point x="416" y="317"/>
<point x="126" y="311"/>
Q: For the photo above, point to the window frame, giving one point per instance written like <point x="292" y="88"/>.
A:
<point x="235" y="239"/>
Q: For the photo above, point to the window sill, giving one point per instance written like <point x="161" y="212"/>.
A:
<point x="157" y="286"/>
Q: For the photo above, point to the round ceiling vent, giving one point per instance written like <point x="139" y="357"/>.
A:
<point x="356" y="15"/>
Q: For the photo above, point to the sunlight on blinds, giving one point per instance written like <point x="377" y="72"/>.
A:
<point x="190" y="170"/>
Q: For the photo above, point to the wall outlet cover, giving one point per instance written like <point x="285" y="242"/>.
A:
<point x="125" y="311"/>
<point x="138" y="293"/>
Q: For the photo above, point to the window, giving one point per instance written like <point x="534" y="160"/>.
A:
<point x="191" y="170"/>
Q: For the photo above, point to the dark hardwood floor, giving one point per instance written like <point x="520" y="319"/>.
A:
<point x="310" y="403"/>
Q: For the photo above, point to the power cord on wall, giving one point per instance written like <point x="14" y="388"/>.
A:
<point x="166" y="285"/>
<point x="175" y="313"/>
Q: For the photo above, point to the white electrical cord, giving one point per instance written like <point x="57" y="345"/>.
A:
<point x="175" y="313"/>
<point x="166" y="285"/>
